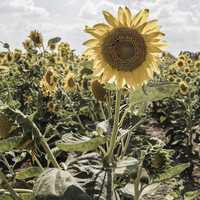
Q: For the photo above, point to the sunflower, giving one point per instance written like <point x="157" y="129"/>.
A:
<point x="48" y="83"/>
<point x="171" y="78"/>
<point x="69" y="82"/>
<point x="126" y="49"/>
<point x="183" y="88"/>
<point x="189" y="61"/>
<point x="180" y="63"/>
<point x="187" y="69"/>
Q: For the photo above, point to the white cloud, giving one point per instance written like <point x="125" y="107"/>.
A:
<point x="179" y="19"/>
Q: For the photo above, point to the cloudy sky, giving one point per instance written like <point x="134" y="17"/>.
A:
<point x="179" y="19"/>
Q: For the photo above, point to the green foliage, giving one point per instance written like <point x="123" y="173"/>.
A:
<point x="83" y="146"/>
<point x="153" y="93"/>
<point x="29" y="172"/>
<point x="171" y="172"/>
<point x="9" y="144"/>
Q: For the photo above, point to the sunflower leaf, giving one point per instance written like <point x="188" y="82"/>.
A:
<point x="29" y="172"/>
<point x="9" y="144"/>
<point x="54" y="40"/>
<point x="153" y="93"/>
<point x="82" y="146"/>
<point x="191" y="195"/>
<point x="171" y="172"/>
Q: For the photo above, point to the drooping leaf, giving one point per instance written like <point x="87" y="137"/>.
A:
<point x="54" y="40"/>
<point x="171" y="172"/>
<point x="192" y="195"/>
<point x="149" y="189"/>
<point x="126" y="166"/>
<point x="29" y="172"/>
<point x="9" y="144"/>
<point x="153" y="93"/>
<point x="82" y="146"/>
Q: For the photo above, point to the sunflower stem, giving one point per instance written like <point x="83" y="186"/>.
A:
<point x="102" y="110"/>
<point x="111" y="147"/>
<point x="115" y="126"/>
<point x="77" y="116"/>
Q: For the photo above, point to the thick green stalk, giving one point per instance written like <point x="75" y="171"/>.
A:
<point x="115" y="126"/>
<point x="109" y="154"/>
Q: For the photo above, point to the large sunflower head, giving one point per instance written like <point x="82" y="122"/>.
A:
<point x="126" y="49"/>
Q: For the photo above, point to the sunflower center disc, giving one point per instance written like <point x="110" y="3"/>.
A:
<point x="124" y="49"/>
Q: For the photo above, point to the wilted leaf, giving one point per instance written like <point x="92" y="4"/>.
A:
<point x="126" y="166"/>
<point x="29" y="172"/>
<point x="191" y="195"/>
<point x="153" y="93"/>
<point x="54" y="40"/>
<point x="9" y="144"/>
<point x="150" y="189"/>
<point x="171" y="172"/>
<point x="82" y="146"/>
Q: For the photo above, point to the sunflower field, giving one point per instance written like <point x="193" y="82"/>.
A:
<point x="118" y="122"/>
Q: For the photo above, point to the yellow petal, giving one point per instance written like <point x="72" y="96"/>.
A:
<point x="121" y="16"/>
<point x="110" y="19"/>
<point x="128" y="15"/>
<point x="102" y="27"/>
<point x="120" y="82"/>
<point x="91" y="43"/>
<point x="151" y="36"/>
<point x="140" y="18"/>
<point x="91" y="52"/>
<point x="148" y="27"/>
<point x="94" y="32"/>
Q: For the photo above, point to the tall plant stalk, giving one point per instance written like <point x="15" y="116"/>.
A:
<point x="109" y="155"/>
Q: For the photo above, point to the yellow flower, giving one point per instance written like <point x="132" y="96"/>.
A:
<point x="187" y="69"/>
<point x="183" y="88"/>
<point x="180" y="63"/>
<point x="172" y="70"/>
<point x="189" y="61"/>
<point x="171" y="78"/>
<point x="127" y="49"/>
<point x="48" y="83"/>
<point x="69" y="83"/>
